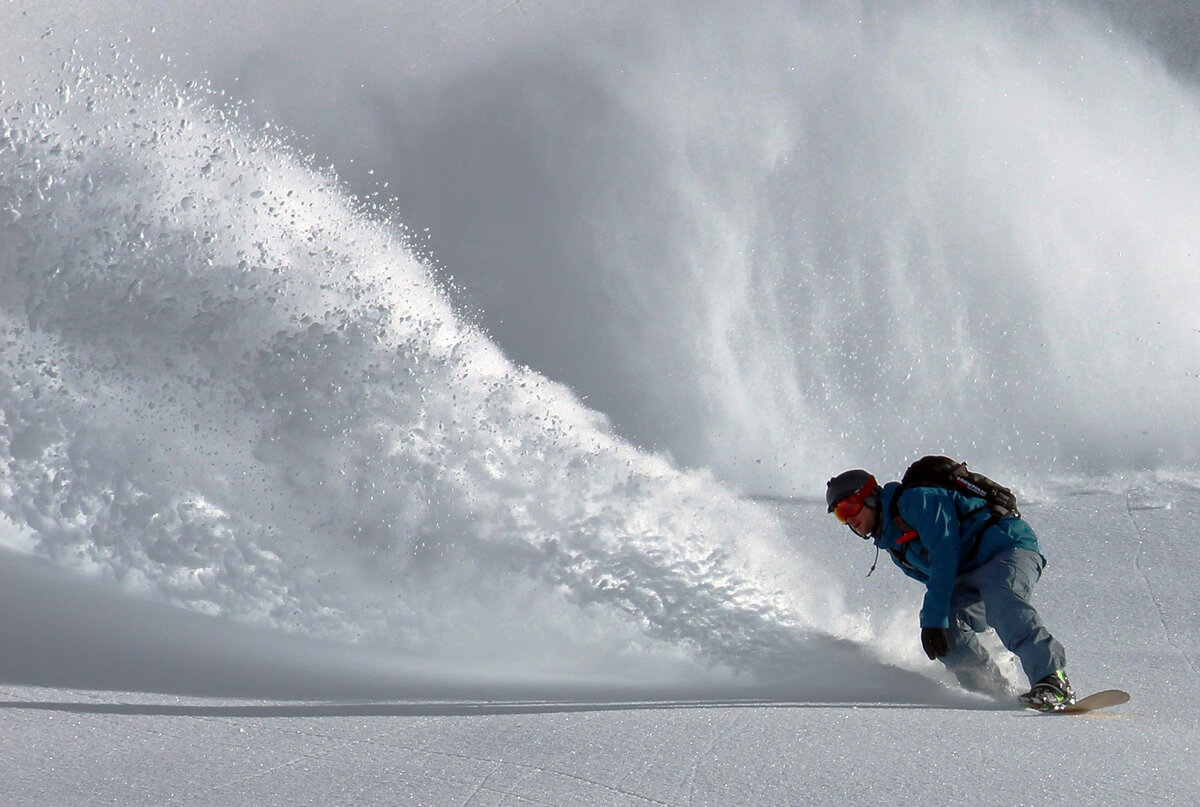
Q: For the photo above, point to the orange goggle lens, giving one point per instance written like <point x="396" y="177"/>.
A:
<point x="849" y="507"/>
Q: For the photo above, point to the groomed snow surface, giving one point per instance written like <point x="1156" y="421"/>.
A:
<point x="1119" y="591"/>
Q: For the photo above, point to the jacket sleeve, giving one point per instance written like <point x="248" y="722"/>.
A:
<point x="931" y="512"/>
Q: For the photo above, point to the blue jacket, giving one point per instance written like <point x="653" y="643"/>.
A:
<point x="941" y="549"/>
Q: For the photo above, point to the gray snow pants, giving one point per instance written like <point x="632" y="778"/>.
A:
<point x="997" y="595"/>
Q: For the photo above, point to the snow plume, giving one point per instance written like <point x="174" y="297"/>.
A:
<point x="816" y="235"/>
<point x="224" y="385"/>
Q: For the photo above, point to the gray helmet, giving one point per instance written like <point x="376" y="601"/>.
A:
<point x="846" y="484"/>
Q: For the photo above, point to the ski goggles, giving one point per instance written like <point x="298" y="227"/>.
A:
<point x="853" y="504"/>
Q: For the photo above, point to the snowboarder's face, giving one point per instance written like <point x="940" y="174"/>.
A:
<point x="864" y="521"/>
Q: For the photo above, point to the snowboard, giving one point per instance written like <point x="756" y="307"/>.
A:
<point x="1097" y="700"/>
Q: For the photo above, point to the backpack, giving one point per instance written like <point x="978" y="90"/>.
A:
<point x="942" y="472"/>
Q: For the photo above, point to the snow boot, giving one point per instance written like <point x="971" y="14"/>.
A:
<point x="1051" y="694"/>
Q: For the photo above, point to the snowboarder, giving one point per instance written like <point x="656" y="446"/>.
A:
<point x="978" y="572"/>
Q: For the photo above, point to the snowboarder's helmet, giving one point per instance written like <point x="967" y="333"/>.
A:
<point x="852" y="487"/>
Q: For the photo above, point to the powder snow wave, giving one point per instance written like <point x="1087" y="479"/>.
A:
<point x="225" y="385"/>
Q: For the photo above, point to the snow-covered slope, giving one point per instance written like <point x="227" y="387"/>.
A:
<point x="471" y="372"/>
<point x="1124" y="606"/>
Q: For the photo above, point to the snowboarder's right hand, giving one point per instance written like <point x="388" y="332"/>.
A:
<point x="935" y="642"/>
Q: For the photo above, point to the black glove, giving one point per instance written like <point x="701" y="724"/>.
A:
<point x="935" y="641"/>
